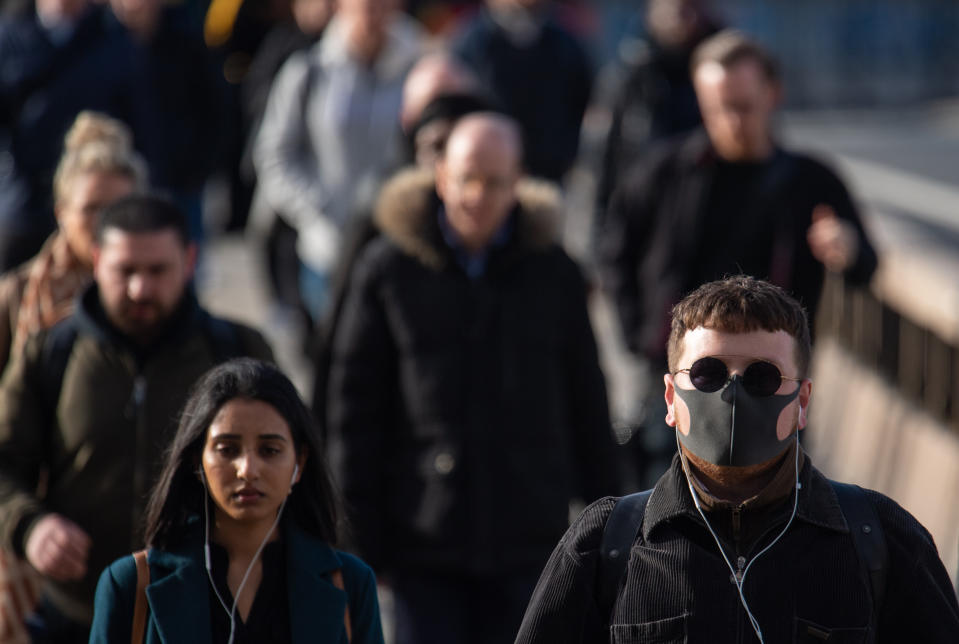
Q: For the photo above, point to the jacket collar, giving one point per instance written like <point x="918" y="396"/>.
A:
<point x="92" y="320"/>
<point x="670" y="500"/>
<point x="696" y="150"/>
<point x="406" y="213"/>
<point x="183" y="615"/>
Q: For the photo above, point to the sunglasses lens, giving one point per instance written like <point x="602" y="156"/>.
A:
<point x="708" y="374"/>
<point x="762" y="379"/>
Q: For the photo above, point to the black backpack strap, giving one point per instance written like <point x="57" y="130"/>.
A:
<point x="57" y="347"/>
<point x="223" y="337"/>
<point x="868" y="538"/>
<point x="620" y="532"/>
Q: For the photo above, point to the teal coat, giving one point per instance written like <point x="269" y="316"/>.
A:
<point x="179" y="606"/>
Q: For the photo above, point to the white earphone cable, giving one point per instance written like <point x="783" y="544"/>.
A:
<point x="231" y="612"/>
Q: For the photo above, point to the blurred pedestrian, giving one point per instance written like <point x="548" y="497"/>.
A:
<point x="98" y="167"/>
<point x="277" y="239"/>
<point x="743" y="536"/>
<point x="240" y="529"/>
<point x="537" y="72"/>
<point x="466" y="405"/>
<point x="722" y="200"/>
<point x="178" y="99"/>
<point x="87" y="407"/>
<point x="329" y="131"/>
<point x="55" y="61"/>
<point x="438" y="92"/>
<point x="655" y="99"/>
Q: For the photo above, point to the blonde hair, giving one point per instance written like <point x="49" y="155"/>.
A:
<point x="97" y="143"/>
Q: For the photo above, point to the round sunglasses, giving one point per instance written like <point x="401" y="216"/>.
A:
<point x="760" y="379"/>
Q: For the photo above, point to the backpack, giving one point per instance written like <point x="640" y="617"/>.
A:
<point x="626" y="518"/>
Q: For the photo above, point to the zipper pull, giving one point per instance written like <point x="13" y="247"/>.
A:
<point x="137" y="396"/>
<point x="740" y="564"/>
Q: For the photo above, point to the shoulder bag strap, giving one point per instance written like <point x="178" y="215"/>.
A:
<point x="337" y="576"/>
<point x="140" y="607"/>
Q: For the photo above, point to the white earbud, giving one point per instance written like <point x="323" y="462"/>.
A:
<point x="296" y="470"/>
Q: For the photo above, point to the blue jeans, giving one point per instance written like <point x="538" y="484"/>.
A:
<point x="314" y="291"/>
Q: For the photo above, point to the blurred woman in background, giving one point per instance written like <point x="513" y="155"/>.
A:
<point x="98" y="167"/>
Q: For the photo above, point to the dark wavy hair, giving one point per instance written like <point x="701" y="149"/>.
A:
<point x="176" y="498"/>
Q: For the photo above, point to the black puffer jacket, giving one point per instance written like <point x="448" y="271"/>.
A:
<point x="464" y="415"/>
<point x="807" y="588"/>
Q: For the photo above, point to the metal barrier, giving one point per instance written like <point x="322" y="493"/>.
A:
<point x="885" y="406"/>
<point x="914" y="358"/>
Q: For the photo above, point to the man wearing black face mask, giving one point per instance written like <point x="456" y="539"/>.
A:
<point x="742" y="539"/>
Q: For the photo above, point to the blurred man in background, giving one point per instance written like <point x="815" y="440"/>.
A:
<point x="89" y="406"/>
<point x="466" y="405"/>
<point x="655" y="99"/>
<point x="724" y="200"/>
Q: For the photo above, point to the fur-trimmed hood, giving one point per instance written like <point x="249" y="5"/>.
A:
<point x="405" y="213"/>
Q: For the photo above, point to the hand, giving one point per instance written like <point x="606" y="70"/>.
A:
<point x="58" y="548"/>
<point x="833" y="241"/>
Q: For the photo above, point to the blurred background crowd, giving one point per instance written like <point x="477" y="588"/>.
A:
<point x="274" y="124"/>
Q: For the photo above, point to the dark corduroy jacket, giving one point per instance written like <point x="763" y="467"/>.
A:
<point x="807" y="588"/>
<point x="465" y="414"/>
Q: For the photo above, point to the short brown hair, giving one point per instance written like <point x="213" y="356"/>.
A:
<point x="740" y="304"/>
<point x="729" y="47"/>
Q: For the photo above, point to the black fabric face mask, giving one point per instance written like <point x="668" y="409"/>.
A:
<point x="733" y="427"/>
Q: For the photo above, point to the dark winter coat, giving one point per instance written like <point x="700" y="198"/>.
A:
<point x="545" y="85"/>
<point x="464" y="415"/>
<point x="655" y="246"/>
<point x="43" y="86"/>
<point x="100" y="442"/>
<point x="807" y="588"/>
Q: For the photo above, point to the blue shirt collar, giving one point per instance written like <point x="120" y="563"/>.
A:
<point x="473" y="264"/>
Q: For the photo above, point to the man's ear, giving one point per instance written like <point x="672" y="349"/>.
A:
<point x="670" y="396"/>
<point x="96" y="257"/>
<point x="805" y="393"/>
<point x="190" y="265"/>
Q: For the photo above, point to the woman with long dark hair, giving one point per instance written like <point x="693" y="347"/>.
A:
<point x="240" y="530"/>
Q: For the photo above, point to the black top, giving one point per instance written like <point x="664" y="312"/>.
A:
<point x="269" y="618"/>
<point x="683" y="216"/>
